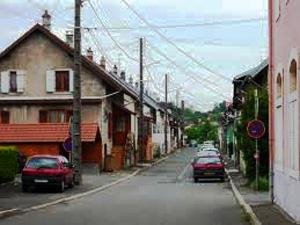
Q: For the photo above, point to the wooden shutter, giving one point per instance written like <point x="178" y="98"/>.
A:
<point x="20" y="81"/>
<point x="43" y="116"/>
<point x="4" y="82"/>
<point x="71" y="79"/>
<point x="5" y="117"/>
<point x="50" y="81"/>
<point x="69" y="114"/>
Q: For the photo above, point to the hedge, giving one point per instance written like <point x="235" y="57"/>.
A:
<point x="8" y="163"/>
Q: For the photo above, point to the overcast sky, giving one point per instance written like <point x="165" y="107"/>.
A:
<point x="228" y="49"/>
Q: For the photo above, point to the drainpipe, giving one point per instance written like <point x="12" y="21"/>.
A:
<point x="271" y="114"/>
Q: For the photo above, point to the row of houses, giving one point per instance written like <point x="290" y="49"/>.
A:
<point x="36" y="104"/>
<point x="279" y="74"/>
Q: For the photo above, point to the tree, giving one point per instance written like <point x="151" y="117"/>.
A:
<point x="247" y="144"/>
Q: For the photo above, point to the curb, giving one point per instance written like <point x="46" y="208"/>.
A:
<point x="245" y="206"/>
<point x="16" y="211"/>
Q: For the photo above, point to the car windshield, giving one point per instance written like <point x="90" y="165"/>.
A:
<point x="38" y="163"/>
<point x="204" y="153"/>
<point x="208" y="160"/>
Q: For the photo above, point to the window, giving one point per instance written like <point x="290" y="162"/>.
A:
<point x="4" y="117"/>
<point x="293" y="113"/>
<point x="13" y="81"/>
<point x="277" y="9"/>
<point x="120" y="124"/>
<point x="61" y="81"/>
<point x="55" y="116"/>
<point x="279" y="86"/>
<point x="39" y="163"/>
<point x="293" y="76"/>
<point x="110" y="125"/>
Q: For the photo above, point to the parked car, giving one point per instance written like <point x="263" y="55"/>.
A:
<point x="47" y="170"/>
<point x="207" y="154"/>
<point x="193" y="143"/>
<point x="208" y="167"/>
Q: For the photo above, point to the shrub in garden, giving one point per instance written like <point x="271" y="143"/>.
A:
<point x="8" y="163"/>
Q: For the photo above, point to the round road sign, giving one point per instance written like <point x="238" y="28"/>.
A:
<point x="68" y="144"/>
<point x="256" y="129"/>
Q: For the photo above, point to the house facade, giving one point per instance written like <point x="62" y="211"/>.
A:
<point x="36" y="95"/>
<point x="284" y="38"/>
<point x="159" y="134"/>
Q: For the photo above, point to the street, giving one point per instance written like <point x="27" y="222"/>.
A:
<point x="164" y="194"/>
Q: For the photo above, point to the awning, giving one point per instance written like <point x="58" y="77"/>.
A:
<point x="44" y="132"/>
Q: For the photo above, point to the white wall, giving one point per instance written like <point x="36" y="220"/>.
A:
<point x="286" y="193"/>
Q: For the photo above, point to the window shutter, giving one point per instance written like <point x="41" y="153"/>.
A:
<point x="71" y="79"/>
<point x="50" y="81"/>
<point x="4" y="117"/>
<point x="69" y="114"/>
<point x="20" y="81"/>
<point x="4" y="82"/>
<point x="43" y="116"/>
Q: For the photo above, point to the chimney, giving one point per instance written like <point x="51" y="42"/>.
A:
<point x="46" y="20"/>
<point x="131" y="80"/>
<point x="103" y="62"/>
<point x="115" y="70"/>
<point x="123" y="75"/>
<point x="70" y="38"/>
<point x="89" y="54"/>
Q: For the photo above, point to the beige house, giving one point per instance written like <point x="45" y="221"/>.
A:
<point x="36" y="89"/>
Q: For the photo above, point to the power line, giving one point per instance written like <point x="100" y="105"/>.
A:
<point x="109" y="34"/>
<point x="156" y="30"/>
<point x="190" y="25"/>
<point x="187" y="72"/>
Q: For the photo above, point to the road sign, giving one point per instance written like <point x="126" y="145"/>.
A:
<point x="256" y="129"/>
<point x="68" y="144"/>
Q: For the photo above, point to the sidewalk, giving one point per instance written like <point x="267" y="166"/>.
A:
<point x="12" y="197"/>
<point x="267" y="213"/>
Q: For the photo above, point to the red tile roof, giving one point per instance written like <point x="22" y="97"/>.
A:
<point x="44" y="132"/>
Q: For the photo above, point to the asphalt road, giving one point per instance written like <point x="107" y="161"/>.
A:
<point x="162" y="195"/>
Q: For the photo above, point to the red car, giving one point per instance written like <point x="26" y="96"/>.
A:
<point x="47" y="170"/>
<point x="208" y="167"/>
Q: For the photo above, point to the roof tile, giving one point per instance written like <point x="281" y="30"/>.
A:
<point x="44" y="132"/>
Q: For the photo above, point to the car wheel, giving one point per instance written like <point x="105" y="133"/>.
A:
<point x="196" y="180"/>
<point x="62" y="186"/>
<point x="24" y="188"/>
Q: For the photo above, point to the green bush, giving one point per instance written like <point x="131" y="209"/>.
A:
<point x="8" y="163"/>
<point x="263" y="184"/>
<point x="157" y="152"/>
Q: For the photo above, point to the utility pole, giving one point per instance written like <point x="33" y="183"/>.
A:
<point x="76" y="122"/>
<point x="182" y="122"/>
<point x="141" y="108"/>
<point x="166" y="114"/>
<point x="257" y="153"/>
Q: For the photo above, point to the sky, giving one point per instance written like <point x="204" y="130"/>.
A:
<point x="224" y="48"/>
